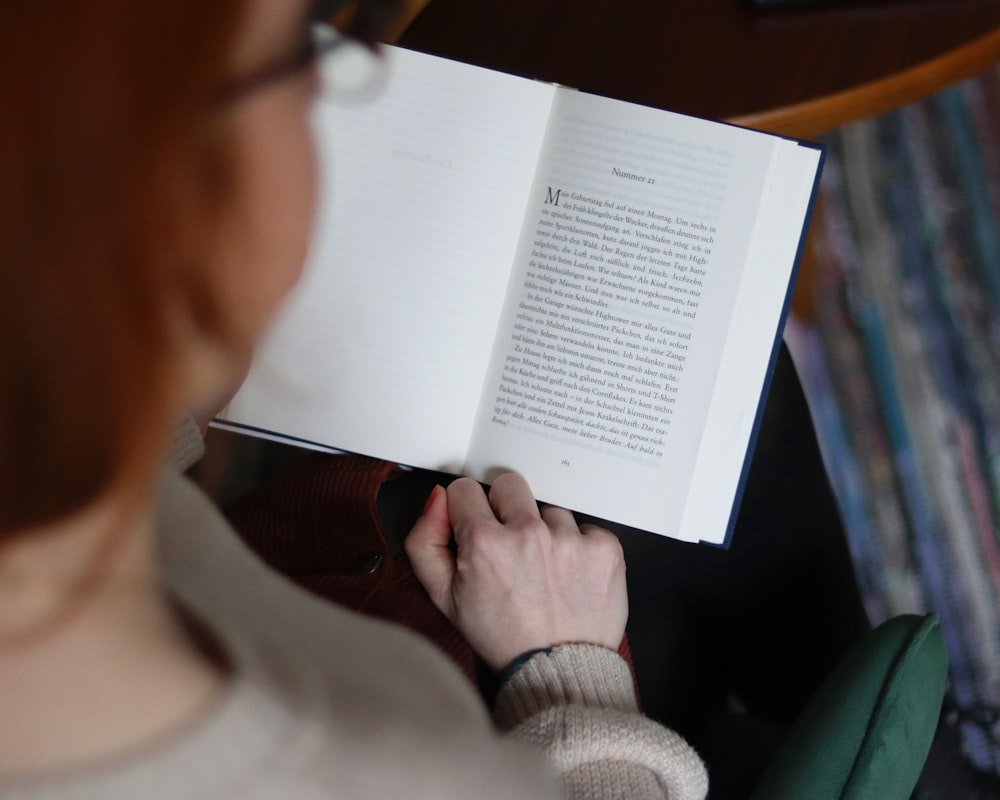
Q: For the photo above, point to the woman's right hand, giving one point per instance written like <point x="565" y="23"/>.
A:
<point x="518" y="579"/>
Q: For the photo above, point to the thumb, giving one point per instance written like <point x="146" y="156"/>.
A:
<point x="427" y="547"/>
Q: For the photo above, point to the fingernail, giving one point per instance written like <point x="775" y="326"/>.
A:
<point x="431" y="498"/>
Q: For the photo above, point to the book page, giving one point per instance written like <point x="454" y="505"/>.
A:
<point x="383" y="347"/>
<point x="628" y="275"/>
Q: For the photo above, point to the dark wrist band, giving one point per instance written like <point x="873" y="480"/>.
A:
<point x="511" y="669"/>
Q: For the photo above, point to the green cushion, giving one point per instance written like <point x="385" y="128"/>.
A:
<point x="867" y="731"/>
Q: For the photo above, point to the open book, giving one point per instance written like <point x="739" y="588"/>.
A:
<point x="511" y="275"/>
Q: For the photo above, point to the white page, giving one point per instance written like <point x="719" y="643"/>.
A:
<point x="676" y="167"/>
<point x="384" y="345"/>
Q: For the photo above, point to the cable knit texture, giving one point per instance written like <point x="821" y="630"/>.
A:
<point x="580" y="674"/>
<point x="577" y="705"/>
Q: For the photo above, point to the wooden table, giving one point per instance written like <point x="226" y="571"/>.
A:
<point x="797" y="71"/>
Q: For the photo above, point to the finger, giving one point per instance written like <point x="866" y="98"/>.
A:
<point x="597" y="535"/>
<point x="559" y="519"/>
<point x="602" y="539"/>
<point x="427" y="547"/>
<point x="589" y="527"/>
<point x="469" y="509"/>
<point x="513" y="501"/>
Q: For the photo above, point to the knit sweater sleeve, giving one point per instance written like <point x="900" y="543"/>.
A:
<point x="577" y="704"/>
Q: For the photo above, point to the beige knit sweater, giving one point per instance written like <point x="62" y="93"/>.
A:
<point x="325" y="703"/>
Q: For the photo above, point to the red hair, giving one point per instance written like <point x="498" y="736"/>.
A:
<point x="113" y="173"/>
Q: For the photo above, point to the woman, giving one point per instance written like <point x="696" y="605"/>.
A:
<point x="156" y="175"/>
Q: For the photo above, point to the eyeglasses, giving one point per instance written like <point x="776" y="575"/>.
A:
<point x="350" y="71"/>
